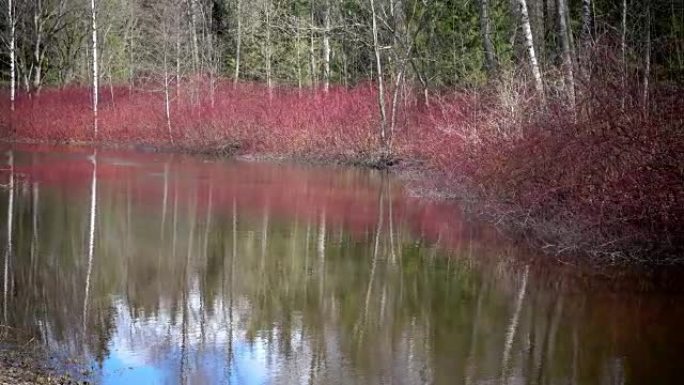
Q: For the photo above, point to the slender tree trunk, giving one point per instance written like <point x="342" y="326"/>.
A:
<point x="623" y="49"/>
<point x="12" y="44"/>
<point x="485" y="30"/>
<point x="298" y="42"/>
<point x="167" y="102"/>
<point x="380" y="80"/>
<point x="567" y="53"/>
<point x="178" y="66"/>
<point x="587" y="23"/>
<point x="312" y="47"/>
<point x="193" y="31"/>
<point x="95" y="69"/>
<point x="647" y="58"/>
<point x="269" y="75"/>
<point x="529" y="45"/>
<point x="326" y="47"/>
<point x="238" y="47"/>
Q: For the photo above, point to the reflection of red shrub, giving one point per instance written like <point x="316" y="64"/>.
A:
<point x="609" y="180"/>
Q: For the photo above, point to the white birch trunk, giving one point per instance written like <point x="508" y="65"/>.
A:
<point x="238" y="48"/>
<point x="381" y="85"/>
<point x="326" y="47"/>
<point x="12" y="43"/>
<point x="95" y="69"/>
<point x="529" y="45"/>
<point x="167" y="103"/>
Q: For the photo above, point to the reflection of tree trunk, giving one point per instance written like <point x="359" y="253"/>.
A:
<point x="91" y="237"/>
<point x="470" y="362"/>
<point x="10" y="223"/>
<point x="321" y="257"/>
<point x="553" y="332"/>
<point x="34" y="233"/>
<point x="513" y="326"/>
<point x="185" y="290"/>
<point x="393" y="255"/>
<point x="376" y="251"/>
<point x="233" y="255"/>
<point x="175" y="218"/>
<point x="165" y="197"/>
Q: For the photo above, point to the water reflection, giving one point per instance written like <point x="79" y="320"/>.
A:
<point x="174" y="270"/>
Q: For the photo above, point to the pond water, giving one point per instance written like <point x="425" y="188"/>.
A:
<point x="169" y="269"/>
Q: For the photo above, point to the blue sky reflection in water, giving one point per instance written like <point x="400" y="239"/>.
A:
<point x="227" y="272"/>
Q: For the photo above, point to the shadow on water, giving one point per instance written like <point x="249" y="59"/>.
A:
<point x="167" y="269"/>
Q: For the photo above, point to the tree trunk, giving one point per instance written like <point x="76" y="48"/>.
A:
<point x="647" y="58"/>
<point x="485" y="30"/>
<point x="623" y="51"/>
<point x="269" y="76"/>
<point x="167" y="104"/>
<point x="95" y="70"/>
<point x="312" y="48"/>
<point x="585" y="40"/>
<point x="586" y="23"/>
<point x="567" y="53"/>
<point x="380" y="81"/>
<point x="326" y="47"/>
<point x="193" y="31"/>
<point x="298" y="42"/>
<point x="529" y="45"/>
<point x="12" y="43"/>
<point x="238" y="48"/>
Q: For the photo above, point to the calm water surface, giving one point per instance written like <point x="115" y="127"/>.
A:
<point x="163" y="269"/>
